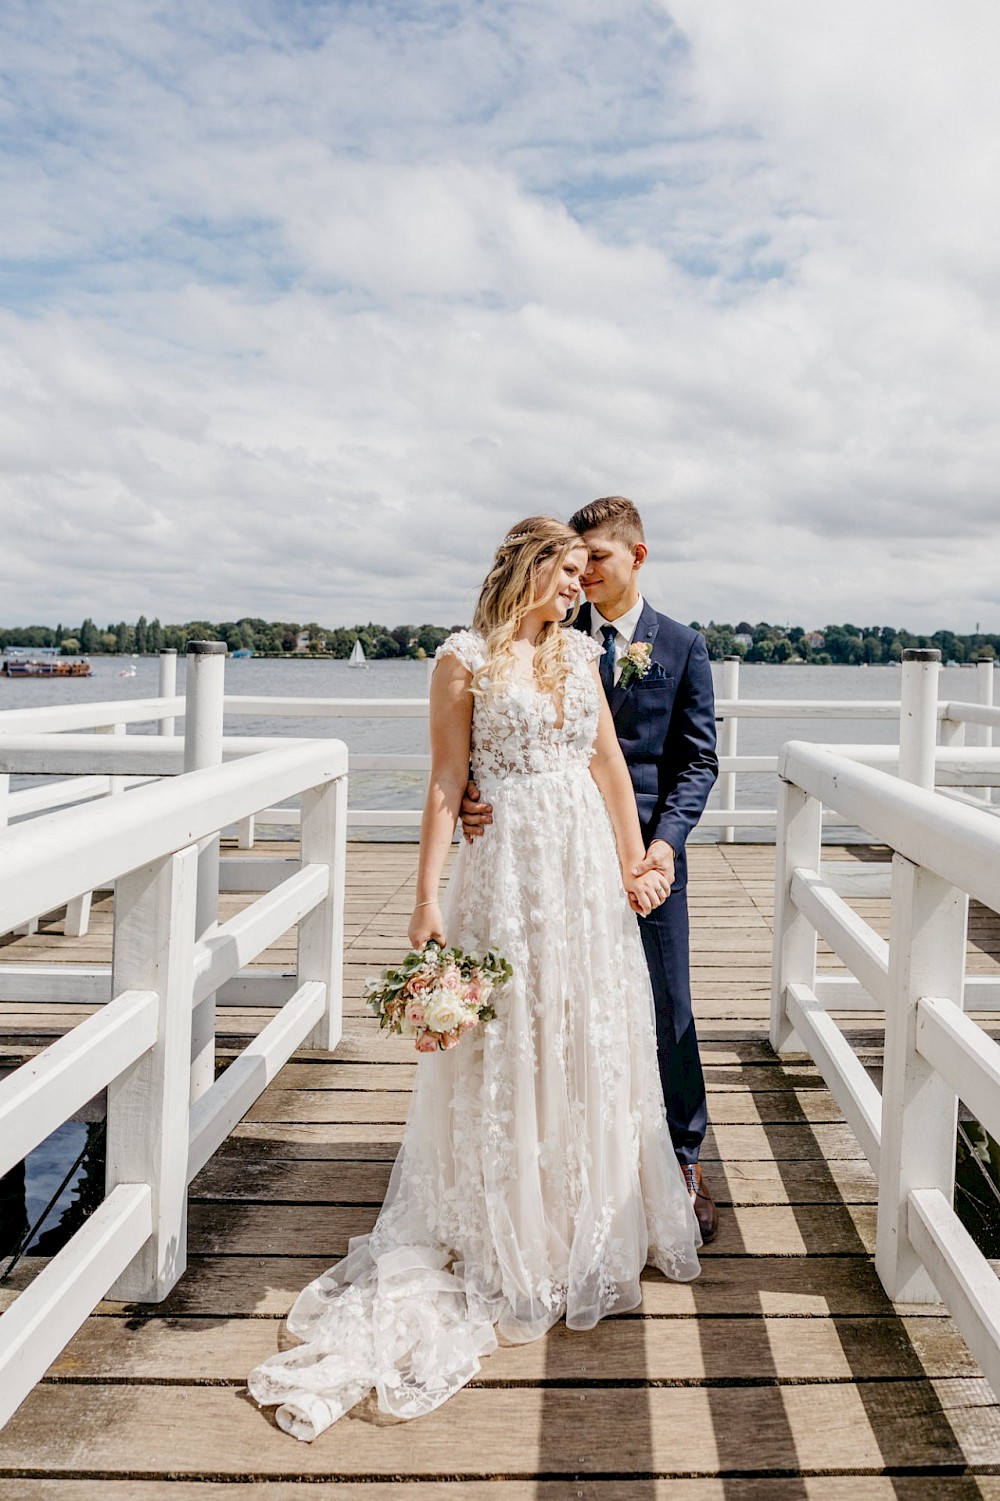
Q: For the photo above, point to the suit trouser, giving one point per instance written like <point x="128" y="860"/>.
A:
<point x="665" y="940"/>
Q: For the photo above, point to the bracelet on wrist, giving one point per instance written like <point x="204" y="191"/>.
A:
<point x="431" y="903"/>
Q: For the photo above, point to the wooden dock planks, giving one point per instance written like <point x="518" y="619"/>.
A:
<point x="783" y="1372"/>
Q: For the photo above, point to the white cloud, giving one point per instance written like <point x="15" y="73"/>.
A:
<point x="307" y="303"/>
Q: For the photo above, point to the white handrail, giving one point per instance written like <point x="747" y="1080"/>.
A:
<point x="47" y="1314"/>
<point x="954" y="841"/>
<point x="942" y="853"/>
<point x="227" y="948"/>
<point x="953" y="717"/>
<point x="970" y="713"/>
<point x="161" y="1129"/>
<point x="55" y="718"/>
<point x="44" y="863"/>
<point x="72" y="1070"/>
<point x="327" y="708"/>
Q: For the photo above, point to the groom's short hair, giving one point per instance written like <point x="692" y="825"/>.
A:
<point x="614" y="512"/>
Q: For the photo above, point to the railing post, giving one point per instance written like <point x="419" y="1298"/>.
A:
<point x="168" y="685"/>
<point x="203" y="713"/>
<point x="918" y="716"/>
<point x="25" y="929"/>
<point x="927" y="941"/>
<point x="952" y="732"/>
<point x="148" y="1110"/>
<point x="984" y="684"/>
<point x="77" y="921"/>
<point x="984" y="678"/>
<point x="321" y="931"/>
<point x="799" y="842"/>
<point x="727" y="744"/>
<point x="116" y="784"/>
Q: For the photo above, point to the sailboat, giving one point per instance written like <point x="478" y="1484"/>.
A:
<point x="357" y="657"/>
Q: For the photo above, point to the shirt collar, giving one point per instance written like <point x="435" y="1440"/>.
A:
<point x="625" y="625"/>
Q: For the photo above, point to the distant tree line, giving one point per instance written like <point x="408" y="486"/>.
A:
<point x="842" y="644"/>
<point x="262" y="637"/>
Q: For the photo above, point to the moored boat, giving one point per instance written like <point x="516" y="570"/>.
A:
<point x="42" y="662"/>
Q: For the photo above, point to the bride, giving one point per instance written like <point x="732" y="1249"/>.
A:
<point x="536" y="1177"/>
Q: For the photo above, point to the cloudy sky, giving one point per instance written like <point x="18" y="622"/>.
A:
<point x="304" y="301"/>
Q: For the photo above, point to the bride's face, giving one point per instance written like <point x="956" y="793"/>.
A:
<point x="558" y="584"/>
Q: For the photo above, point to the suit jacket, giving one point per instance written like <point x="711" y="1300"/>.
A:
<point x="666" y="727"/>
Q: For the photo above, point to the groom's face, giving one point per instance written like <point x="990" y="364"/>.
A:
<point x="611" y="566"/>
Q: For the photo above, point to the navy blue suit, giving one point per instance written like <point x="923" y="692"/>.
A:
<point x="666" y="728"/>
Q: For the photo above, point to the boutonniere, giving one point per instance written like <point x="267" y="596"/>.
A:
<point x="636" y="663"/>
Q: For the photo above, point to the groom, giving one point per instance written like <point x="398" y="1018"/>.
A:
<point x="664" y="714"/>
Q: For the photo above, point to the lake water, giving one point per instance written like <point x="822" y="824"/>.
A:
<point x="405" y="679"/>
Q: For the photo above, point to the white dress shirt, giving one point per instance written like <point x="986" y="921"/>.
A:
<point x="625" y="627"/>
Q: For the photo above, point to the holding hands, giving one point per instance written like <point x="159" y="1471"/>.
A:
<point x="648" y="883"/>
<point x="659" y="862"/>
<point x="642" y="895"/>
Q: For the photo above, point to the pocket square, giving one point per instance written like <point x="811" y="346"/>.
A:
<point x="656" y="677"/>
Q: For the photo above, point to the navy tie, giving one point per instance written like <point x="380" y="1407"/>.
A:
<point x="607" y="668"/>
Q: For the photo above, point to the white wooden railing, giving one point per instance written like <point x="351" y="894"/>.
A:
<point x="730" y="709"/>
<point x="152" y="1043"/>
<point x="942" y="853"/>
<point x="102" y="719"/>
<point x="726" y="816"/>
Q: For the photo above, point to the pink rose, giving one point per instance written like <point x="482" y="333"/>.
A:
<point x="473" y="992"/>
<point x="426" y="1043"/>
<point x="415" y="1014"/>
<point x="451" y="980"/>
<point x="449" y="1039"/>
<point x="467" y="1026"/>
<point x="418" y="984"/>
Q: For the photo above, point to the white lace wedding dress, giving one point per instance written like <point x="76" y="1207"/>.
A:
<point x="536" y="1177"/>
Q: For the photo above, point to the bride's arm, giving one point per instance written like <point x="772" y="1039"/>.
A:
<point x="609" y="771"/>
<point x="450" y="733"/>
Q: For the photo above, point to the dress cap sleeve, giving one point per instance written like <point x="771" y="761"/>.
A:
<point x="467" y="646"/>
<point x="583" y="643"/>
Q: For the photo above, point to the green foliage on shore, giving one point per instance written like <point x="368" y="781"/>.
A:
<point x="262" y="637"/>
<point x="847" y="644"/>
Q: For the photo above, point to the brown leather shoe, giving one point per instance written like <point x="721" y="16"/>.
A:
<point x="705" y="1211"/>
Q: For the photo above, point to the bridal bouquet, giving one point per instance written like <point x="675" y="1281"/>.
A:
<point x="437" y="994"/>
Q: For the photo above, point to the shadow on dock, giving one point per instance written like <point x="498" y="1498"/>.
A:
<point x="869" y="1375"/>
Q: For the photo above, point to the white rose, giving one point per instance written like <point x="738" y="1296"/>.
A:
<point x="445" y="1011"/>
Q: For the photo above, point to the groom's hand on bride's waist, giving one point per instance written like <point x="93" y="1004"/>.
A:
<point x="658" y="861"/>
<point x="475" y="814"/>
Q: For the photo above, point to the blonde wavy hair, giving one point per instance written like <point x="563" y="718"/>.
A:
<point x="510" y="590"/>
